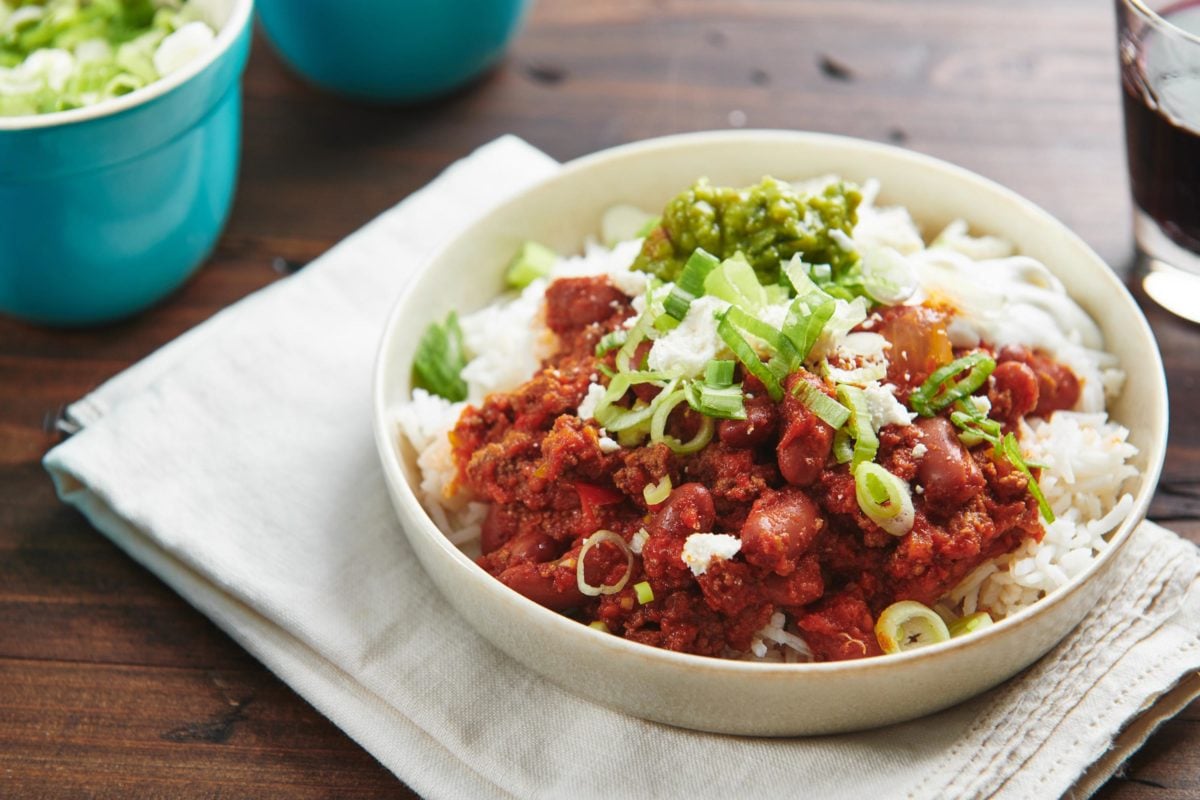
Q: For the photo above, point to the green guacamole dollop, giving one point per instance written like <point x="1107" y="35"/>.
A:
<point x="767" y="223"/>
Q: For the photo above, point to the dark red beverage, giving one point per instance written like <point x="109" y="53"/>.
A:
<point x="1161" y="80"/>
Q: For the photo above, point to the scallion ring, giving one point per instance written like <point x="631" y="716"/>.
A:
<point x="884" y="498"/>
<point x="608" y="588"/>
<point x="656" y="493"/>
<point x="866" y="443"/>
<point x="908" y="625"/>
<point x="970" y="623"/>
<point x="658" y="426"/>
<point x="830" y="411"/>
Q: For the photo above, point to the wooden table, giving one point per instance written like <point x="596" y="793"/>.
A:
<point x="111" y="686"/>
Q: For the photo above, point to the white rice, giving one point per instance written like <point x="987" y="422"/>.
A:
<point x="1084" y="457"/>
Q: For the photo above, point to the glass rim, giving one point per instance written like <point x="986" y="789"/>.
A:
<point x="1154" y="18"/>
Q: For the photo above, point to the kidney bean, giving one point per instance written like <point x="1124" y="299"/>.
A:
<point x="689" y="509"/>
<point x="537" y="582"/>
<point x="533" y="546"/>
<point x="806" y="440"/>
<point x="1013" y="392"/>
<point x="756" y="429"/>
<point x="948" y="474"/>
<point x="496" y="530"/>
<point x="781" y="526"/>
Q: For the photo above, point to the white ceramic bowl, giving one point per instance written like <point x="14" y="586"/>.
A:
<point x="736" y="696"/>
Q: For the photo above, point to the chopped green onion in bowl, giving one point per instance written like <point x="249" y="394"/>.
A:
<point x="66" y="54"/>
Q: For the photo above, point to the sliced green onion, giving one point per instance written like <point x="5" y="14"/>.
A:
<point x="723" y="403"/>
<point x="439" y="360"/>
<point x="887" y="276"/>
<point x="1012" y="451"/>
<point x="796" y="272"/>
<point x="750" y="360"/>
<point x="699" y="264"/>
<point x="830" y="411"/>
<point x="736" y="283"/>
<point x="677" y="304"/>
<point x="970" y="623"/>
<point x="763" y="330"/>
<point x="866" y="443"/>
<point x="636" y="335"/>
<point x="665" y="323"/>
<point x="658" y="426"/>
<point x="614" y="418"/>
<point x="804" y="323"/>
<point x="645" y="594"/>
<point x="608" y="588"/>
<point x="633" y="437"/>
<point x="718" y="373"/>
<point x="884" y="498"/>
<point x="656" y="493"/>
<point x="843" y="446"/>
<point x="610" y="341"/>
<point x="531" y="262"/>
<point x="599" y="625"/>
<point x="976" y="429"/>
<point x="908" y="625"/>
<point x="941" y="390"/>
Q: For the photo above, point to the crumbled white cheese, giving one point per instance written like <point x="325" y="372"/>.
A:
<point x="982" y="403"/>
<point x="919" y="451"/>
<point x="884" y="407"/>
<point x="587" y="407"/>
<point x="608" y="445"/>
<point x="638" y="541"/>
<point x="701" y="548"/>
<point x="686" y="350"/>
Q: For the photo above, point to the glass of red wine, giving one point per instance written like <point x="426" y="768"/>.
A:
<point x="1159" y="46"/>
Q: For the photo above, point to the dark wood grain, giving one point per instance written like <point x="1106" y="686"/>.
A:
<point x="111" y="686"/>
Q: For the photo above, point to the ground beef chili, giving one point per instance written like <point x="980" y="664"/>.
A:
<point x="806" y="547"/>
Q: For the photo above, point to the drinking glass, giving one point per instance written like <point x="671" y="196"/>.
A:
<point x="1159" y="46"/>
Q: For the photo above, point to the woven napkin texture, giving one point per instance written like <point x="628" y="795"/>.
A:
<point x="237" y="464"/>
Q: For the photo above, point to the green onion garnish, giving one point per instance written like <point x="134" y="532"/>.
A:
<point x="531" y="262"/>
<point x="805" y="322"/>
<point x="970" y="623"/>
<point x="941" y="390"/>
<point x="735" y="282"/>
<point x="635" y="336"/>
<point x="762" y="330"/>
<point x="599" y="625"/>
<point x="750" y="360"/>
<point x="655" y="493"/>
<point x="974" y="425"/>
<point x="830" y="411"/>
<point x="866" y="443"/>
<point x="907" y="625"/>
<point x="1012" y="451"/>
<point x="718" y="373"/>
<point x="439" y="360"/>
<point x="843" y="446"/>
<point x="658" y="424"/>
<point x="610" y="341"/>
<point x="644" y="593"/>
<point x="724" y="402"/>
<point x="690" y="284"/>
<point x="614" y="418"/>
<point x="884" y="498"/>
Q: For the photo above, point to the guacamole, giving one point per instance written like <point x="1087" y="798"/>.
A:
<point x="767" y="223"/>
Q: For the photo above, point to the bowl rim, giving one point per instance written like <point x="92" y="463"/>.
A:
<point x="239" y="18"/>
<point x="385" y="429"/>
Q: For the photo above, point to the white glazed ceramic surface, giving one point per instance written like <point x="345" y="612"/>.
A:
<point x="735" y="696"/>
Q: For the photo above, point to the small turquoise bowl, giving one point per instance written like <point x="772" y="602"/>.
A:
<point x="390" y="51"/>
<point x="105" y="210"/>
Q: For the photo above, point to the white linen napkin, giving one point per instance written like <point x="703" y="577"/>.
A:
<point x="237" y="463"/>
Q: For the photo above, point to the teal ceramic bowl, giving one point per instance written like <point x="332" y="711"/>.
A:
<point x="104" y="210"/>
<point x="390" y="51"/>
